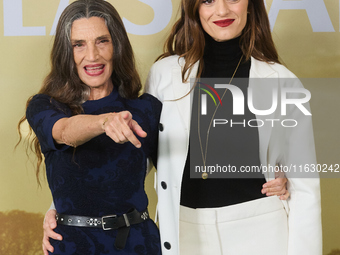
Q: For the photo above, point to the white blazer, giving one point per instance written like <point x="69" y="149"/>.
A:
<point x="277" y="146"/>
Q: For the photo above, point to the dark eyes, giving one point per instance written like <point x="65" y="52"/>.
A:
<point x="228" y="1"/>
<point x="81" y="44"/>
<point x="104" y="41"/>
<point x="77" y="45"/>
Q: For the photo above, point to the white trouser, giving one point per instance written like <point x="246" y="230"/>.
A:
<point x="257" y="227"/>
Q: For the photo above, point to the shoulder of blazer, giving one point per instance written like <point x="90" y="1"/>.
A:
<point x="261" y="69"/>
<point x="168" y="63"/>
<point x="168" y="70"/>
<point x="173" y="62"/>
<point x="160" y="76"/>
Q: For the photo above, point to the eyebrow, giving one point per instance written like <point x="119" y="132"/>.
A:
<point x="102" y="37"/>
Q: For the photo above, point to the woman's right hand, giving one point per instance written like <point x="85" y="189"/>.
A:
<point x="50" y="223"/>
<point x="121" y="128"/>
<point x="81" y="128"/>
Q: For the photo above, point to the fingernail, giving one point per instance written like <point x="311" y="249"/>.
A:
<point x="264" y="185"/>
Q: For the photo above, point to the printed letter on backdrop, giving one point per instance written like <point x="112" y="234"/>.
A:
<point x="62" y="5"/>
<point x="13" y="21"/>
<point x="316" y="11"/>
<point x="163" y="12"/>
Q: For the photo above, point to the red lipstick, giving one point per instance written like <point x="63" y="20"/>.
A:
<point x="224" y="22"/>
<point x="94" y="70"/>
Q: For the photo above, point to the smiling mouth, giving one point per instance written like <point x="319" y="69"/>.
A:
<point x="224" y="23"/>
<point x="94" y="70"/>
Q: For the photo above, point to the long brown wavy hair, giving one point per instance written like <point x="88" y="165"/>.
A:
<point x="186" y="38"/>
<point x="63" y="83"/>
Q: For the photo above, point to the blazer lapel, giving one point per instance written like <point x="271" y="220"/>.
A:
<point x="262" y="99"/>
<point x="181" y="90"/>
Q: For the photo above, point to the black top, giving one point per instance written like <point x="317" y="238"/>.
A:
<point x="238" y="146"/>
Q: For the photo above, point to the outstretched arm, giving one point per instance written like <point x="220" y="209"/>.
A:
<point x="79" y="129"/>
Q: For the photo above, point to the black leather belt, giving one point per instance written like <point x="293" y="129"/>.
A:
<point x="107" y="222"/>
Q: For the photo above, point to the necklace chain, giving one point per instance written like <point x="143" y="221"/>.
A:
<point x="204" y="155"/>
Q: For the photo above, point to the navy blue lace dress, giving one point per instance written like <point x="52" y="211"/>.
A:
<point x="99" y="177"/>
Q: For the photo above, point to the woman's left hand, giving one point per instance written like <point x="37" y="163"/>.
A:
<point x="277" y="187"/>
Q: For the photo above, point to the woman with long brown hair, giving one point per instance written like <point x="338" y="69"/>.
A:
<point x="230" y="40"/>
<point x="84" y="120"/>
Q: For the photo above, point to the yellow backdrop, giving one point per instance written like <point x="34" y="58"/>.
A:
<point x="306" y="34"/>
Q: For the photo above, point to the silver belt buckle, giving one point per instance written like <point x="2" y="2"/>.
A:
<point x="105" y="217"/>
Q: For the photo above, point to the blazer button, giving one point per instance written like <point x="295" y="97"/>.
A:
<point x="160" y="127"/>
<point x="163" y="184"/>
<point x="167" y="245"/>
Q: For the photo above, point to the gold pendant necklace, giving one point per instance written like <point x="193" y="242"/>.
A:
<point x="204" y="155"/>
